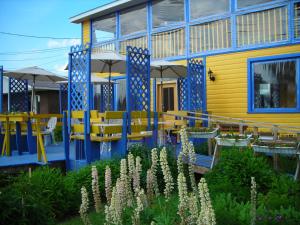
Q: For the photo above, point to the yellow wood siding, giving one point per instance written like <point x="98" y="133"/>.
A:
<point x="228" y="96"/>
<point x="86" y="31"/>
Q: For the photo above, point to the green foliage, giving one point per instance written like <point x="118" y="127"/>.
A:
<point x="233" y="172"/>
<point x="229" y="211"/>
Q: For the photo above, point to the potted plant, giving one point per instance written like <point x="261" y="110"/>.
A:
<point x="233" y="140"/>
<point x="202" y="132"/>
<point x="278" y="146"/>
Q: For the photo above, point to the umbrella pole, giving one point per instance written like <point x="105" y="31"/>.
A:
<point x="109" y="81"/>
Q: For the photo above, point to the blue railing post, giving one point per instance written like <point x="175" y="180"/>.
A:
<point x="66" y="140"/>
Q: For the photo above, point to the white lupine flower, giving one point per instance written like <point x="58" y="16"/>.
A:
<point x="113" y="213"/>
<point x="108" y="183"/>
<point x="126" y="183"/>
<point x="193" y="209"/>
<point x="131" y="166"/>
<point x="150" y="184"/>
<point x="253" y="201"/>
<point x="207" y="214"/>
<point x="192" y="160"/>
<point x="154" y="160"/>
<point x="152" y="223"/>
<point x="84" y="206"/>
<point x="139" y="208"/>
<point x="169" y="183"/>
<point x="183" y="198"/>
<point x="137" y="174"/>
<point x="180" y="163"/>
<point x="95" y="189"/>
<point x="184" y="142"/>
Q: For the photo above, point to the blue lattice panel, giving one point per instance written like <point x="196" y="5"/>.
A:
<point x="138" y="79"/>
<point x="63" y="88"/>
<point x="79" y="77"/>
<point x="107" y="97"/>
<point x="182" y="93"/>
<point x="18" y="95"/>
<point x="196" y="79"/>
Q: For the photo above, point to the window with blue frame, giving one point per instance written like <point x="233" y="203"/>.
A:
<point x="167" y="12"/>
<point x="104" y="29"/>
<point x="274" y="85"/>
<point x="133" y="20"/>
<point x="210" y="36"/>
<point x="203" y="8"/>
<point x="262" y="27"/>
<point x="297" y="19"/>
<point x="247" y="3"/>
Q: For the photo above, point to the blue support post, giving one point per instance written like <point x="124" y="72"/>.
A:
<point x="18" y="138"/>
<point x="87" y="140"/>
<point x="119" y="148"/>
<point x="31" y="144"/>
<point x="69" y="91"/>
<point x="66" y="139"/>
<point x="154" y="95"/>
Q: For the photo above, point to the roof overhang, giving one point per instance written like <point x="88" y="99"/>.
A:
<point x="104" y="10"/>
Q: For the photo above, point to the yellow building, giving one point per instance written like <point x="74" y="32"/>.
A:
<point x="252" y="48"/>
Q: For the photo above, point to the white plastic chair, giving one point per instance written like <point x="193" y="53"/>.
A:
<point x="50" y="128"/>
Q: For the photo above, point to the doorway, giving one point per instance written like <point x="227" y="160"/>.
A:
<point x="168" y="99"/>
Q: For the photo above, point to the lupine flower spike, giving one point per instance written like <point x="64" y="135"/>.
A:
<point x="84" y="207"/>
<point x="95" y="189"/>
<point x="108" y="183"/>
<point x="169" y="183"/>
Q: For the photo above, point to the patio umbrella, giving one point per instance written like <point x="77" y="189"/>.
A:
<point x="167" y="69"/>
<point x="108" y="62"/>
<point x="33" y="75"/>
<point x="94" y="80"/>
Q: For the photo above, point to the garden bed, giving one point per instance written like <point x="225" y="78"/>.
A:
<point x="202" y="132"/>
<point x="279" y="147"/>
<point x="233" y="140"/>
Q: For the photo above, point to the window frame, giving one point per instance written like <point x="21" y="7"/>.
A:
<point x="268" y="59"/>
<point x="95" y="43"/>
<point x="259" y="7"/>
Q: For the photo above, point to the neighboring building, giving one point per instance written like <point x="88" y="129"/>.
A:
<point x="47" y="98"/>
<point x="251" y="46"/>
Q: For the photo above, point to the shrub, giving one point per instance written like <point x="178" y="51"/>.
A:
<point x="233" y="172"/>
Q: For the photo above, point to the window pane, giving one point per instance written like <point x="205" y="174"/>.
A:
<point x="104" y="29"/>
<point x="170" y="43"/>
<point x="133" y="20"/>
<point x="141" y="42"/>
<point x="121" y="95"/>
<point x="297" y="20"/>
<point x="275" y="84"/>
<point x="167" y="12"/>
<point x="202" y="8"/>
<point x="168" y="97"/>
<point x="210" y="36"/>
<point x="104" y="48"/>
<point x="245" y="3"/>
<point x="262" y="27"/>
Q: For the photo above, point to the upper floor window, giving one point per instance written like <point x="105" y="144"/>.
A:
<point x="210" y="36"/>
<point x="166" y="12"/>
<point x="274" y="85"/>
<point x="140" y="42"/>
<point x="246" y="3"/>
<point x="133" y="20"/>
<point x="104" y="28"/>
<point x="168" y="44"/>
<point x="262" y="27"/>
<point x="297" y="20"/>
<point x="203" y="8"/>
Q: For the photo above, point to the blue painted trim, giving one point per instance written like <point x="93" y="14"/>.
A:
<point x="149" y="25"/>
<point x="91" y="32"/>
<point x="291" y="22"/>
<point x="9" y="96"/>
<point x="154" y="95"/>
<point x="69" y="90"/>
<point x="89" y="87"/>
<point x="283" y="57"/>
<point x="1" y="89"/>
<point x="60" y="99"/>
<point x="187" y="27"/>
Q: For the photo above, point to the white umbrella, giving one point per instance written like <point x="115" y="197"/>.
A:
<point x="94" y="80"/>
<point x="167" y="69"/>
<point x="108" y="62"/>
<point x="34" y="74"/>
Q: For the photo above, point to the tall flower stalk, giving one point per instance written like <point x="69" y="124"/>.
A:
<point x="84" y="207"/>
<point x="125" y="182"/>
<point x="253" y="201"/>
<point x="207" y="214"/>
<point x="150" y="184"/>
<point x="169" y="183"/>
<point x="137" y="175"/>
<point x="108" y="183"/>
<point x="154" y="160"/>
<point x="183" y="198"/>
<point x="95" y="189"/>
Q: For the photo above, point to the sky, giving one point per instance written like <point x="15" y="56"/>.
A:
<point x="47" y="18"/>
